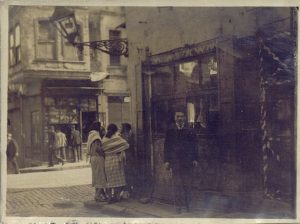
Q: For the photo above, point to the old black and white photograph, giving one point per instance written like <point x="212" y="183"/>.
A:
<point x="154" y="112"/>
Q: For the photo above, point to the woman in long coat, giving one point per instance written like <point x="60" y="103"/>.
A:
<point x="114" y="148"/>
<point x="96" y="155"/>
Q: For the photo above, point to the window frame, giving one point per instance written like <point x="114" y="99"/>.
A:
<point x="204" y="92"/>
<point x="44" y="41"/>
<point x="14" y="49"/>
<point x="114" y="57"/>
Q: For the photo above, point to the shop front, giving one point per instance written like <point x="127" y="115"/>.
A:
<point x="185" y="79"/>
<point x="64" y="106"/>
<point x="226" y="91"/>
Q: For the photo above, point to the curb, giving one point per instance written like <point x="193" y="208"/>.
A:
<point x="118" y="210"/>
<point x="46" y="169"/>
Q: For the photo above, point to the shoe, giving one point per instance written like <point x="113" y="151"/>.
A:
<point x="51" y="165"/>
<point x="62" y="162"/>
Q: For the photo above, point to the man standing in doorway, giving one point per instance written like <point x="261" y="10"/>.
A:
<point x="180" y="155"/>
<point x="12" y="152"/>
<point x="76" y="144"/>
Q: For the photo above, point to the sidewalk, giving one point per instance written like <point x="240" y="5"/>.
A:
<point x="45" y="168"/>
<point x="210" y="205"/>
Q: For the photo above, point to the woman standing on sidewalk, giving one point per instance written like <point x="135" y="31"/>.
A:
<point x="114" y="147"/>
<point x="96" y="155"/>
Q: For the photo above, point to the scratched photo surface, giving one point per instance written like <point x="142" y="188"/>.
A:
<point x="151" y="112"/>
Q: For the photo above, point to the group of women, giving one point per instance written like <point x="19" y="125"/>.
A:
<point x="106" y="152"/>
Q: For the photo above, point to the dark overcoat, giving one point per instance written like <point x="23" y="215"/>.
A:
<point x="180" y="147"/>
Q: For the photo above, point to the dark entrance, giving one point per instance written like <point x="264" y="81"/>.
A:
<point x="87" y="119"/>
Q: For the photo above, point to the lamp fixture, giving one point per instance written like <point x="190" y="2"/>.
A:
<point x="64" y="21"/>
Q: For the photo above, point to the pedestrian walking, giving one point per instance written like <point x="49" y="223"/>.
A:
<point x="61" y="143"/>
<point x="76" y="144"/>
<point x="130" y="168"/>
<point x="114" y="147"/>
<point x="96" y="156"/>
<point x="12" y="152"/>
<point x="180" y="155"/>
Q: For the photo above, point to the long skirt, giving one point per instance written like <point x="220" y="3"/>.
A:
<point x="114" y="169"/>
<point x="98" y="172"/>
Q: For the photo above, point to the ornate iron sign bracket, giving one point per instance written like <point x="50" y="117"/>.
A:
<point x="115" y="47"/>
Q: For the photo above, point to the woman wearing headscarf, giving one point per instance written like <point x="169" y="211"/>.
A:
<point x="96" y="155"/>
<point x="114" y="147"/>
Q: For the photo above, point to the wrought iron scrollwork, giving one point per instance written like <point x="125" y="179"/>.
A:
<point x="115" y="47"/>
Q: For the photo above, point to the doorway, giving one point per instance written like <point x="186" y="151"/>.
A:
<point x="87" y="119"/>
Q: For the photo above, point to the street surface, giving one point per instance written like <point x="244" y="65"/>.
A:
<point x="55" y="193"/>
<point x="61" y="178"/>
<point x="65" y="193"/>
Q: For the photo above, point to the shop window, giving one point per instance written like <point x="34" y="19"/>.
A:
<point x="190" y="86"/>
<point x="162" y="81"/>
<point x="115" y="60"/>
<point x="14" y="46"/>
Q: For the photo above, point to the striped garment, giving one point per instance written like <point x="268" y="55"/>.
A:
<point x="114" y="145"/>
<point x="113" y="148"/>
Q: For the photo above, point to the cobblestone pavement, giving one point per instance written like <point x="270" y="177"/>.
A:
<point x="60" y="202"/>
<point x="49" y="179"/>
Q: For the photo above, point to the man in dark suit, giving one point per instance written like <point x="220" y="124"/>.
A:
<point x="12" y="152"/>
<point x="180" y="155"/>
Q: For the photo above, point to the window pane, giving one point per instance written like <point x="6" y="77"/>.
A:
<point x="11" y="56"/>
<point x="17" y="35"/>
<point x="46" y="31"/>
<point x="114" y="34"/>
<point x="209" y="72"/>
<point x="46" y="50"/>
<point x="11" y="40"/>
<point x="162" y="81"/>
<point x="18" y="53"/>
<point x="187" y="76"/>
<point x="69" y="51"/>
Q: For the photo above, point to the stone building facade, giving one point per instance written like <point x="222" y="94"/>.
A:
<point x="51" y="83"/>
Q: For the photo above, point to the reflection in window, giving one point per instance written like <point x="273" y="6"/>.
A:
<point x="187" y="76"/>
<point x="209" y="72"/>
<point x="179" y="85"/>
<point x="197" y="113"/>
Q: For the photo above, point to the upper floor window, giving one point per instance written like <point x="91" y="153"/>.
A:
<point x="52" y="46"/>
<point x="114" y="59"/>
<point x="46" y="46"/>
<point x="14" y="46"/>
<point x="70" y="52"/>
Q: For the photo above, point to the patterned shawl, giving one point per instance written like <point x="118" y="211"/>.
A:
<point x="93" y="136"/>
<point x="114" y="145"/>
